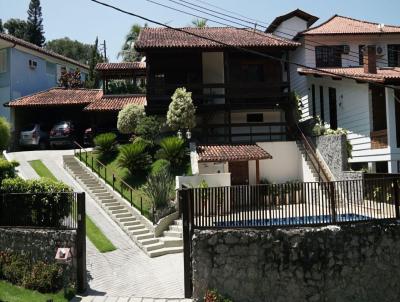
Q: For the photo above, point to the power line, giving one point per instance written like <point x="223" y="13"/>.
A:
<point x="235" y="47"/>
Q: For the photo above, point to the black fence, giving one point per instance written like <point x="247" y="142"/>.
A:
<point x="40" y="210"/>
<point x="292" y="204"/>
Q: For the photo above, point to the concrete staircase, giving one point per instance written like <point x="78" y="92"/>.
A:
<point x="130" y="221"/>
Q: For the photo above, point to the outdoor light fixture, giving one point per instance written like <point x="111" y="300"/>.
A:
<point x="188" y="134"/>
<point x="179" y="134"/>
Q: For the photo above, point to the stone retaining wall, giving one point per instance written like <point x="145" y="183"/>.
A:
<point x="358" y="262"/>
<point x="39" y="244"/>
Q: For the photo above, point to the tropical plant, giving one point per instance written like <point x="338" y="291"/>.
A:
<point x="159" y="188"/>
<point x="134" y="158"/>
<point x="128" y="52"/>
<point x="128" y="118"/>
<point x="105" y="143"/>
<point x="181" y="112"/>
<point x="297" y="106"/>
<point x="199" y="23"/>
<point x="160" y="164"/>
<point x="149" y="128"/>
<point x="174" y="150"/>
<point x="5" y="134"/>
<point x="34" y="30"/>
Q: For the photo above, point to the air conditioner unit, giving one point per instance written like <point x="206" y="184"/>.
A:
<point x="32" y="64"/>
<point x="346" y="49"/>
<point x="380" y="50"/>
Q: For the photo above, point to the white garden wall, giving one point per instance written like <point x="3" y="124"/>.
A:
<point x="212" y="180"/>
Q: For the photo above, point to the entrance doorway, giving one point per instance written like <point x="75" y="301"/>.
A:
<point x="333" y="109"/>
<point x="239" y="172"/>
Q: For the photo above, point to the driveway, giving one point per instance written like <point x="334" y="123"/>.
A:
<point x="125" y="272"/>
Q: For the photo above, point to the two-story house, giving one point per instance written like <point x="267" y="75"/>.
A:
<point x="240" y="97"/>
<point x="26" y="69"/>
<point x="356" y="86"/>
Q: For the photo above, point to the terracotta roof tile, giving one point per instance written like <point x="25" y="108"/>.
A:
<point x="339" y="25"/>
<point x="383" y="75"/>
<point x="58" y="97"/>
<point x="235" y="37"/>
<point x="44" y="51"/>
<point x="116" y="102"/>
<point x="218" y="153"/>
<point x="121" y="66"/>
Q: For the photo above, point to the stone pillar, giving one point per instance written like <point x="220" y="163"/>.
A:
<point x="392" y="166"/>
<point x="391" y="118"/>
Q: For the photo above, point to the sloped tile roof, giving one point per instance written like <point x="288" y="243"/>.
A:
<point x="58" y="97"/>
<point x="340" y="25"/>
<point x="383" y="75"/>
<point x="42" y="50"/>
<point x="233" y="37"/>
<point x="121" y="66"/>
<point x="116" y="102"/>
<point x="219" y="153"/>
<point x="296" y="13"/>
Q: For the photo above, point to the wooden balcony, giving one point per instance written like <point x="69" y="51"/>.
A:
<point x="379" y="139"/>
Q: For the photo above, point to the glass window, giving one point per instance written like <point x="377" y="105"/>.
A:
<point x="252" y="73"/>
<point x="3" y="60"/>
<point x="328" y="56"/>
<point x="394" y="55"/>
<point x="361" y="54"/>
<point x="255" y="118"/>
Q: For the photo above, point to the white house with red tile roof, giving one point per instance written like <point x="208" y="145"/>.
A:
<point x="355" y="59"/>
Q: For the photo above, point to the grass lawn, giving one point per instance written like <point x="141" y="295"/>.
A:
<point x="95" y="235"/>
<point x="12" y="293"/>
<point x="135" y="182"/>
<point x="41" y="169"/>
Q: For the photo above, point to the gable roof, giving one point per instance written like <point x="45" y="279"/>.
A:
<point x="340" y="25"/>
<point x="22" y="43"/>
<point x="123" y="66"/>
<point x="116" y="102"/>
<point x="58" y="97"/>
<point x="223" y="153"/>
<point x="389" y="75"/>
<point x="296" y="13"/>
<point x="161" y="38"/>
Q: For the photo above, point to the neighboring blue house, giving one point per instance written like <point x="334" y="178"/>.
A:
<point x="26" y="68"/>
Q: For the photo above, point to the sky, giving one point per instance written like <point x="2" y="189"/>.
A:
<point x="83" y="20"/>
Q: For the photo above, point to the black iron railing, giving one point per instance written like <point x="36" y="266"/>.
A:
<point x="292" y="204"/>
<point x="40" y="210"/>
<point x="111" y="177"/>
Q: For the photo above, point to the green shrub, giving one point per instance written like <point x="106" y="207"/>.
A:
<point x="105" y="143"/>
<point x="5" y="134"/>
<point x="134" y="157"/>
<point x="44" y="277"/>
<point x="159" y="188"/>
<point x="174" y="150"/>
<point x="214" y="296"/>
<point x="160" y="164"/>
<point x="128" y="118"/>
<point x="47" y="205"/>
<point x="7" y="169"/>
<point x="181" y="111"/>
<point x="148" y="128"/>
<point x="16" y="268"/>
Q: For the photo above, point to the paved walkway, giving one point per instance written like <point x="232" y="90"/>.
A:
<point x="126" y="272"/>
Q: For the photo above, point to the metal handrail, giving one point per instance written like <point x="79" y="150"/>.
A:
<point x="114" y="176"/>
<point x="311" y="151"/>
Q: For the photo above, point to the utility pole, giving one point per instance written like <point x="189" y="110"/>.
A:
<point x="104" y="47"/>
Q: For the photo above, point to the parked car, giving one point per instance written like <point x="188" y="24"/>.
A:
<point x="34" y="135"/>
<point x="63" y="134"/>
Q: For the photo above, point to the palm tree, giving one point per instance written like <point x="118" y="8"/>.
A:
<point x="128" y="52"/>
<point x="199" y="23"/>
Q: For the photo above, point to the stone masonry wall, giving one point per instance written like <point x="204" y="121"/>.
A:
<point x="358" y="262"/>
<point x="39" y="244"/>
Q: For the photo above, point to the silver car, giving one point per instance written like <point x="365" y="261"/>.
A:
<point x="33" y="136"/>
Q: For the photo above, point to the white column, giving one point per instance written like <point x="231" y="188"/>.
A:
<point x="392" y="166"/>
<point x="391" y="118"/>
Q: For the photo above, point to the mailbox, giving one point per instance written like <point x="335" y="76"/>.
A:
<point x="63" y="255"/>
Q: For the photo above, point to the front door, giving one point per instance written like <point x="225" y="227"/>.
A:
<point x="332" y="109"/>
<point x="239" y="172"/>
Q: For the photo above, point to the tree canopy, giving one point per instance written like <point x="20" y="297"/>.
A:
<point x="34" y="30"/>
<point x="72" y="49"/>
<point x="128" y="52"/>
<point x="16" y="28"/>
<point x="1" y="26"/>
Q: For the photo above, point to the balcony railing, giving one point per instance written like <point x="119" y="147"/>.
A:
<point x="379" y="139"/>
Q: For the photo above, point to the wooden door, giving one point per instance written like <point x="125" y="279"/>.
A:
<point x="332" y="109"/>
<point x="239" y="172"/>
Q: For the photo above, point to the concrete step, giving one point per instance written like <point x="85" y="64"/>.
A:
<point x="127" y="219"/>
<point x="124" y="215"/>
<point x="141" y="231"/>
<point x="115" y="207"/>
<point x="98" y="190"/>
<point x="118" y="212"/>
<point x="165" y="251"/>
<point x="173" y="234"/>
<point x="172" y="242"/>
<point x="145" y="236"/>
<point x="135" y="227"/>
<point x="175" y="228"/>
<point x="110" y="202"/>
<point x="131" y="223"/>
<point x="154" y="246"/>
<point x="145" y="242"/>
<point x="178" y="222"/>
<point x="103" y="195"/>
